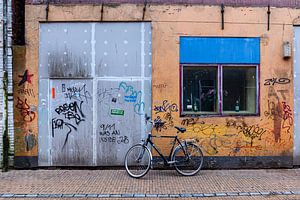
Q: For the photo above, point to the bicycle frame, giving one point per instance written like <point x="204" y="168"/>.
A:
<point x="167" y="162"/>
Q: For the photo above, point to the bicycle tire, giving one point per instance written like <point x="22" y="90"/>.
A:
<point x="138" y="160"/>
<point x="188" y="166"/>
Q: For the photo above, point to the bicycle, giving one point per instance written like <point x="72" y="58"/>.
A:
<point x="186" y="157"/>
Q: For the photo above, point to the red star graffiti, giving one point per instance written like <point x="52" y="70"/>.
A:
<point x="26" y="77"/>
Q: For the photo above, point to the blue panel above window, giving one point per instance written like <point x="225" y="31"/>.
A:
<point x="214" y="50"/>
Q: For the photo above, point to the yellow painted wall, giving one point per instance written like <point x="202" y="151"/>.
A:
<point x="264" y="135"/>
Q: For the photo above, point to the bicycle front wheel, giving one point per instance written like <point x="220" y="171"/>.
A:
<point x="138" y="161"/>
<point x="190" y="162"/>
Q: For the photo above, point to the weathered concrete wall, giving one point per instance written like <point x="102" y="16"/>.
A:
<point x="268" y="135"/>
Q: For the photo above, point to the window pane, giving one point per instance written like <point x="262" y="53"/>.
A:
<point x="239" y="89"/>
<point x="199" y="89"/>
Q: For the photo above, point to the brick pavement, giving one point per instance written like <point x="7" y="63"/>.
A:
<point x="208" y="184"/>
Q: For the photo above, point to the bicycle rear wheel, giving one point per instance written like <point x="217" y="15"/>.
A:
<point x="190" y="163"/>
<point x="138" y="161"/>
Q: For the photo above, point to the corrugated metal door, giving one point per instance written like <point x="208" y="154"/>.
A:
<point x="95" y="81"/>
<point x="296" y="96"/>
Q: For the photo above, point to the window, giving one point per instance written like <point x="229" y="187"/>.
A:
<point x="220" y="89"/>
<point x="219" y="75"/>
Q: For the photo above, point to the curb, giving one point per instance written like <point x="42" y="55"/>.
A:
<point x="185" y="195"/>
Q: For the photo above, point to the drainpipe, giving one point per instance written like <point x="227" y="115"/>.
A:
<point x="5" y="159"/>
<point x="5" y="138"/>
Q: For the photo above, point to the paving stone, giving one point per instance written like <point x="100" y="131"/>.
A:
<point x="151" y="195"/>
<point x="287" y="193"/>
<point x="221" y="194"/>
<point x="7" y="195"/>
<point x="19" y="195"/>
<point x="162" y="195"/>
<point x="103" y="195"/>
<point x="31" y="195"/>
<point x="264" y="193"/>
<point x="127" y="195"/>
<point x="244" y="194"/>
<point x="232" y="193"/>
<point x="295" y="192"/>
<point x="276" y="193"/>
<point x="174" y="195"/>
<point x="209" y="194"/>
<point x="55" y="195"/>
<point x="139" y="195"/>
<point x="115" y="195"/>
<point x="255" y="194"/>
<point x="79" y="195"/>
<point x="92" y="195"/>
<point x="43" y="195"/>
<point x="198" y="195"/>
<point x="185" y="195"/>
<point x="67" y="195"/>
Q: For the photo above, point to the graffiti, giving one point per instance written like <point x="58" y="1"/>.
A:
<point x="165" y="111"/>
<point x="113" y="139"/>
<point x="274" y="110"/>
<point x="191" y="121"/>
<point x="111" y="94"/>
<point x="273" y="81"/>
<point x="27" y="92"/>
<point x="237" y="124"/>
<point x="159" y="124"/>
<point x="166" y="107"/>
<point x="109" y="134"/>
<point x="76" y="93"/>
<point x="26" y="77"/>
<point x="133" y="96"/>
<point x="30" y="140"/>
<point x="26" y="111"/>
<point x="287" y="117"/>
<point x="60" y="124"/>
<point x="252" y="132"/>
<point x="71" y="111"/>
<point x="203" y="129"/>
<point x="160" y="86"/>
<point x="108" y="130"/>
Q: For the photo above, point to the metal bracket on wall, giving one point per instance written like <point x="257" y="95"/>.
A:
<point x="144" y="10"/>
<point x="102" y="8"/>
<point x="47" y="10"/>
<point x="222" y="14"/>
<point x="269" y="13"/>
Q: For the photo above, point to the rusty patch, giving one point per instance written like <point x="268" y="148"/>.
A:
<point x="66" y="65"/>
<point x="277" y="124"/>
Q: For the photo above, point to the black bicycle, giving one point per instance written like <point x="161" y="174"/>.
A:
<point x="186" y="157"/>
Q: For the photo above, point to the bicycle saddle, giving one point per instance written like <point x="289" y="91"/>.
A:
<point x="180" y="129"/>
